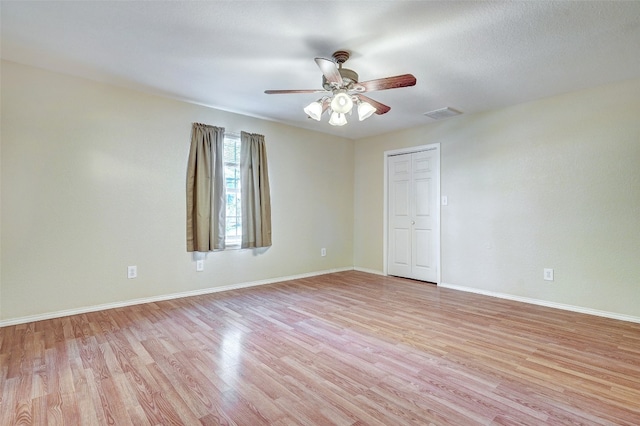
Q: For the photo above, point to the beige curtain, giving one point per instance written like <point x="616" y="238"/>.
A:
<point x="255" y="197"/>
<point x="206" y="189"/>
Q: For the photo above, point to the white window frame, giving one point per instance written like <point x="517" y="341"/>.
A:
<point x="233" y="241"/>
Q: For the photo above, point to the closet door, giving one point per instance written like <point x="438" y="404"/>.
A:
<point x="400" y="215"/>
<point x="413" y="234"/>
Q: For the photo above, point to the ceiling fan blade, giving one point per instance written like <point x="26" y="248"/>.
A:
<point x="380" y="108"/>
<point x="285" y="92"/>
<point x="395" y="82"/>
<point x="329" y="70"/>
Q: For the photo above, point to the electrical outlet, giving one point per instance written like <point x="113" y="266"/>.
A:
<point x="132" y="272"/>
<point x="548" y="274"/>
<point x="199" y="265"/>
<point x="323" y="252"/>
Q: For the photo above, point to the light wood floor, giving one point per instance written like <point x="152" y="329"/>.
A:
<point x="347" y="348"/>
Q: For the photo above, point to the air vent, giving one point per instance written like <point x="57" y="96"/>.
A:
<point x="438" y="114"/>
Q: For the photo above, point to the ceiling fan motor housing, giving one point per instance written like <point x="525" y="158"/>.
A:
<point x="349" y="78"/>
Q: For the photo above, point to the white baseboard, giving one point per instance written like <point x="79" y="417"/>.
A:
<point x="369" y="271"/>
<point x="76" y="311"/>
<point x="543" y="303"/>
<point x="84" y="310"/>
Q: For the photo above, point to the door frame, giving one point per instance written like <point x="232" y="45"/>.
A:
<point x="385" y="239"/>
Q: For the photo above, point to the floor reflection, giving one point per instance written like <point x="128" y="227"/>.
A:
<point x="230" y="355"/>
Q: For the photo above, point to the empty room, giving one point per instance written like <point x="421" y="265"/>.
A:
<point x="320" y="213"/>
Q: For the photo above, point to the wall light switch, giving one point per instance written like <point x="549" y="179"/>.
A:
<point x="445" y="200"/>
<point x="199" y="265"/>
<point x="132" y="272"/>
<point x="548" y="274"/>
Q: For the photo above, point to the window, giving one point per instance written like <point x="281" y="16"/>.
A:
<point x="233" y="213"/>
<point x="227" y="164"/>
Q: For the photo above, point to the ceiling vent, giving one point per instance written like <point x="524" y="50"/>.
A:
<point x="438" y="114"/>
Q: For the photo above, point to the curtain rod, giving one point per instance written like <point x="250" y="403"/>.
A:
<point x="234" y="134"/>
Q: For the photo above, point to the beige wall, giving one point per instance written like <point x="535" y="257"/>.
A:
<point x="547" y="184"/>
<point x="93" y="180"/>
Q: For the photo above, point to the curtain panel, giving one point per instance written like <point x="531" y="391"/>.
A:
<point x="206" y="202"/>
<point x="255" y="195"/>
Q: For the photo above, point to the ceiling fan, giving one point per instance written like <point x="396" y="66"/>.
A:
<point x="342" y="90"/>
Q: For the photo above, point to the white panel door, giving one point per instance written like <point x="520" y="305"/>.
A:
<point x="413" y="209"/>
<point x="399" y="195"/>
<point x="425" y="206"/>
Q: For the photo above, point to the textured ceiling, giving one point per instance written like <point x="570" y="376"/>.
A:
<point x="472" y="56"/>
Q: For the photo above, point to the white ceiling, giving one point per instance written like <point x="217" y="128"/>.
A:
<point x="472" y="56"/>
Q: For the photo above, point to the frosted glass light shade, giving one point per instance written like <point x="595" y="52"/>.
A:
<point x="314" y="110"/>
<point x="341" y="103"/>
<point x="365" y="109"/>
<point x="337" y="119"/>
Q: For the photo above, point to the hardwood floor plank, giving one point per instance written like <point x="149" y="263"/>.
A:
<point x="198" y="400"/>
<point x="39" y="408"/>
<point x="89" y="413"/>
<point x="8" y="402"/>
<point x="144" y="396"/>
<point x="22" y="414"/>
<point x="168" y="392"/>
<point x="51" y="412"/>
<point x="348" y="348"/>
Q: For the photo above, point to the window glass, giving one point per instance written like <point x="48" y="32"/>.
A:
<point x="232" y="182"/>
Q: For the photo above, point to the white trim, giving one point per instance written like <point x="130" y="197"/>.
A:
<point x="64" y="313"/>
<point x="369" y="271"/>
<point x="385" y="218"/>
<point x="546" y="303"/>
<point x="87" y="309"/>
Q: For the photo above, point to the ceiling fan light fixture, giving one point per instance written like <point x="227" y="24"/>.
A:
<point x="341" y="103"/>
<point x="314" y="110"/>
<point x="342" y="91"/>
<point x="337" y="119"/>
<point x="365" y="110"/>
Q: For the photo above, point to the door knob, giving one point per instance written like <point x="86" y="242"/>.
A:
<point x="413" y="222"/>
